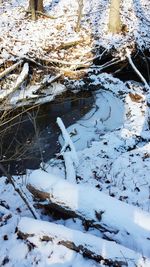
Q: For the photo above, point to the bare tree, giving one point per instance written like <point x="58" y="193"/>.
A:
<point x="114" y="25"/>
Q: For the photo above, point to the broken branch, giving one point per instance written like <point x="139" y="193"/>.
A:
<point x="128" y="54"/>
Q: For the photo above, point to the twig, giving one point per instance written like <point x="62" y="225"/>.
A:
<point x="23" y="75"/>
<point x="18" y="190"/>
<point x="106" y="65"/>
<point x="128" y="54"/>
<point x="18" y="115"/>
<point x="95" y="57"/>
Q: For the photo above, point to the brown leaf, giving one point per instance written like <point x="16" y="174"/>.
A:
<point x="135" y="97"/>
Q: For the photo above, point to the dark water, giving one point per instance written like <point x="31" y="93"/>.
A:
<point x="32" y="137"/>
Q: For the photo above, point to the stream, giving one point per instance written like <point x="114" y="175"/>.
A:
<point x="33" y="137"/>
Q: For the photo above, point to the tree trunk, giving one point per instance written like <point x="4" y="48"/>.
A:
<point x="35" y="5"/>
<point x="79" y="15"/>
<point x="114" y="17"/>
<point x="39" y="5"/>
<point x="32" y="9"/>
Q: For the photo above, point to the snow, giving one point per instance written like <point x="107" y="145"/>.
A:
<point x="102" y="118"/>
<point x="135" y="16"/>
<point x="30" y="94"/>
<point x="111" y="143"/>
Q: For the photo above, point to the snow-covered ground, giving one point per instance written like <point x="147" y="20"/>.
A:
<point x="20" y="36"/>
<point x="112" y="141"/>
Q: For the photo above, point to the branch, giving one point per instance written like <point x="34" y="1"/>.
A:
<point x="68" y="141"/>
<point x="128" y="54"/>
<point x="21" y="78"/>
<point x="70" y="157"/>
<point x="10" y="69"/>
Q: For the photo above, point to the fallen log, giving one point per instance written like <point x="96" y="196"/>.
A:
<point x="106" y="252"/>
<point x="118" y="221"/>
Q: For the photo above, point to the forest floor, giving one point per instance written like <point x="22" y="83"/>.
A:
<point x="112" y="141"/>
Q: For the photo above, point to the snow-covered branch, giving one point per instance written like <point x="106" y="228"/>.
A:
<point x="70" y="157"/>
<point x="118" y="221"/>
<point x="128" y="54"/>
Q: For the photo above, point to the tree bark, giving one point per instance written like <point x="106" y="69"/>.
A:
<point x="114" y="17"/>
<point x="35" y="5"/>
<point x="87" y="245"/>
<point x="39" y="5"/>
<point x="32" y="8"/>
